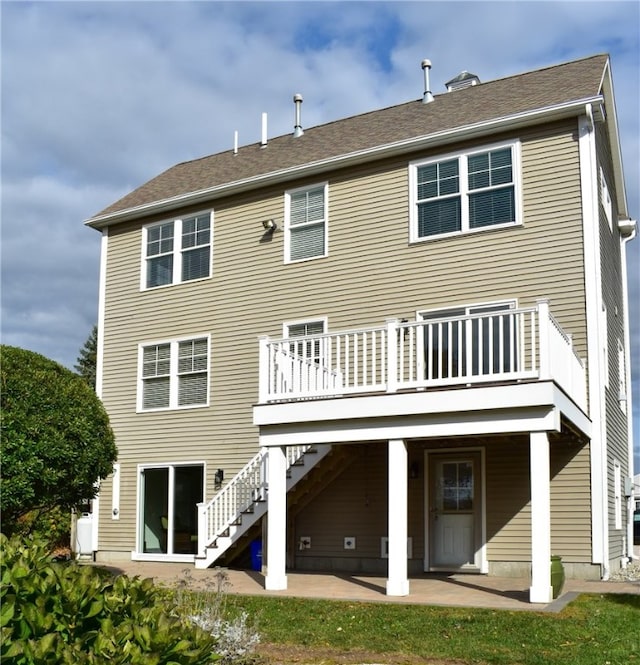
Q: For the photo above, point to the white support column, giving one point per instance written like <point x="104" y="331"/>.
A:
<point x="276" y="578"/>
<point x="398" y="581"/>
<point x="540" y="590"/>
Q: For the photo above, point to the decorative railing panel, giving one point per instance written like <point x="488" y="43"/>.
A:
<point x="493" y="346"/>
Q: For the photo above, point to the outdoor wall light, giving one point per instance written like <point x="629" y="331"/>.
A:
<point x="269" y="225"/>
<point x="218" y="477"/>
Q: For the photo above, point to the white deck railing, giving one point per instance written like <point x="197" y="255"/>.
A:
<point x="502" y="345"/>
<point x="238" y="496"/>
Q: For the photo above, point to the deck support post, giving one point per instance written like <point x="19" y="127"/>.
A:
<point x="276" y="579"/>
<point x="540" y="590"/>
<point x="398" y="581"/>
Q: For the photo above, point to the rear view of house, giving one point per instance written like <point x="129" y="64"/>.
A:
<point x="394" y="343"/>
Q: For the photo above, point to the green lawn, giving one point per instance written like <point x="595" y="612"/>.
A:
<point x="592" y="630"/>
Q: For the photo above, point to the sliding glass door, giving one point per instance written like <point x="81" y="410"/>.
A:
<point x="169" y="496"/>
<point x="457" y="343"/>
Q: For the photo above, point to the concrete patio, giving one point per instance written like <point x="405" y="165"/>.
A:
<point x="451" y="590"/>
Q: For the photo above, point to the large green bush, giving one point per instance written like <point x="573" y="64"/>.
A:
<point x="56" y="438"/>
<point x="73" y="615"/>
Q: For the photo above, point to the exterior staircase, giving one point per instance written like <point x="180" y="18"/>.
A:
<point x="243" y="501"/>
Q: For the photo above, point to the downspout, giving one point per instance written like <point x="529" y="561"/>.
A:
<point x="95" y="504"/>
<point x="627" y="379"/>
<point x="593" y="302"/>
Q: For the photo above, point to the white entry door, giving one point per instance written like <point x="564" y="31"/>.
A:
<point x="454" y="511"/>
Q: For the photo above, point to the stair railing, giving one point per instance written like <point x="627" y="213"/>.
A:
<point x="238" y="496"/>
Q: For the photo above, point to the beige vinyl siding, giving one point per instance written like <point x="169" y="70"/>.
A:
<point x="357" y="502"/>
<point x="570" y="501"/>
<point x="616" y="420"/>
<point x="508" y="506"/>
<point x="356" y="505"/>
<point x="508" y="495"/>
<point x="371" y="273"/>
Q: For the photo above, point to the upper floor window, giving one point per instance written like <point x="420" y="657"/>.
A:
<point x="311" y="349"/>
<point x="306" y="223"/>
<point x="174" y="374"/>
<point x="605" y="198"/>
<point x="622" y="378"/>
<point x="465" y="192"/>
<point x="177" y="251"/>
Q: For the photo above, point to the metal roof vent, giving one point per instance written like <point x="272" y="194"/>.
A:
<point x="464" y="80"/>
<point x="427" y="97"/>
<point x="297" y="100"/>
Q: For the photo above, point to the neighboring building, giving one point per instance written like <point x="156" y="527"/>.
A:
<point x="442" y="378"/>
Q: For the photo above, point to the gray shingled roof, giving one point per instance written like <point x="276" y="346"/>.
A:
<point x="544" y="88"/>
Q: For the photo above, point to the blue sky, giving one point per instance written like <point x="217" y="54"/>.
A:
<point x="98" y="97"/>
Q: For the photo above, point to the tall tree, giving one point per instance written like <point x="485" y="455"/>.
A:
<point x="56" y="438"/>
<point x="88" y="358"/>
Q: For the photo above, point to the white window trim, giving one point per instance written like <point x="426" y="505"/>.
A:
<point x="177" y="251"/>
<point x="622" y="377"/>
<point x="605" y="199"/>
<point x="511" y="303"/>
<point x="617" y="494"/>
<point x="516" y="149"/>
<point x="173" y="374"/>
<point x="604" y="325"/>
<point x="298" y="322"/>
<point x="322" y="351"/>
<point x="287" y="216"/>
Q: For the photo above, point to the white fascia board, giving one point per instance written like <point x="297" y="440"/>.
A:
<point x="476" y="423"/>
<point x="102" y="291"/>
<point x="378" y="152"/>
<point x="606" y="86"/>
<point x="436" y="403"/>
<point x="572" y="412"/>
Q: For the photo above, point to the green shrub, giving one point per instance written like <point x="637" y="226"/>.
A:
<point x="53" y="526"/>
<point x="56" y="438"/>
<point x="74" y="615"/>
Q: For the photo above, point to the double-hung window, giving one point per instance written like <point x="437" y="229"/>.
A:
<point x="306" y="223"/>
<point x="174" y="374"/>
<point x="177" y="251"/>
<point x="310" y="349"/>
<point x="465" y="192"/>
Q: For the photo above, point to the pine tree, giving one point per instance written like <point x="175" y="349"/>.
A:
<point x="88" y="358"/>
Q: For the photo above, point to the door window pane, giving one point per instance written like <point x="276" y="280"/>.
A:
<point x="456" y="486"/>
<point x="155" y="498"/>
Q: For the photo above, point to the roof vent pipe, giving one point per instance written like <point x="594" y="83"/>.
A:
<point x="263" y="142"/>
<point x="297" y="100"/>
<point x="235" y="142"/>
<point x="427" y="97"/>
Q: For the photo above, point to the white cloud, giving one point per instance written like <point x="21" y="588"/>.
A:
<point x="100" y="97"/>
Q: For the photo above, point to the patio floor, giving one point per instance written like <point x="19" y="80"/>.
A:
<point x="464" y="590"/>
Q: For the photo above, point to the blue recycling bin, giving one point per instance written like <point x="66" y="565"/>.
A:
<point x="255" y="550"/>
